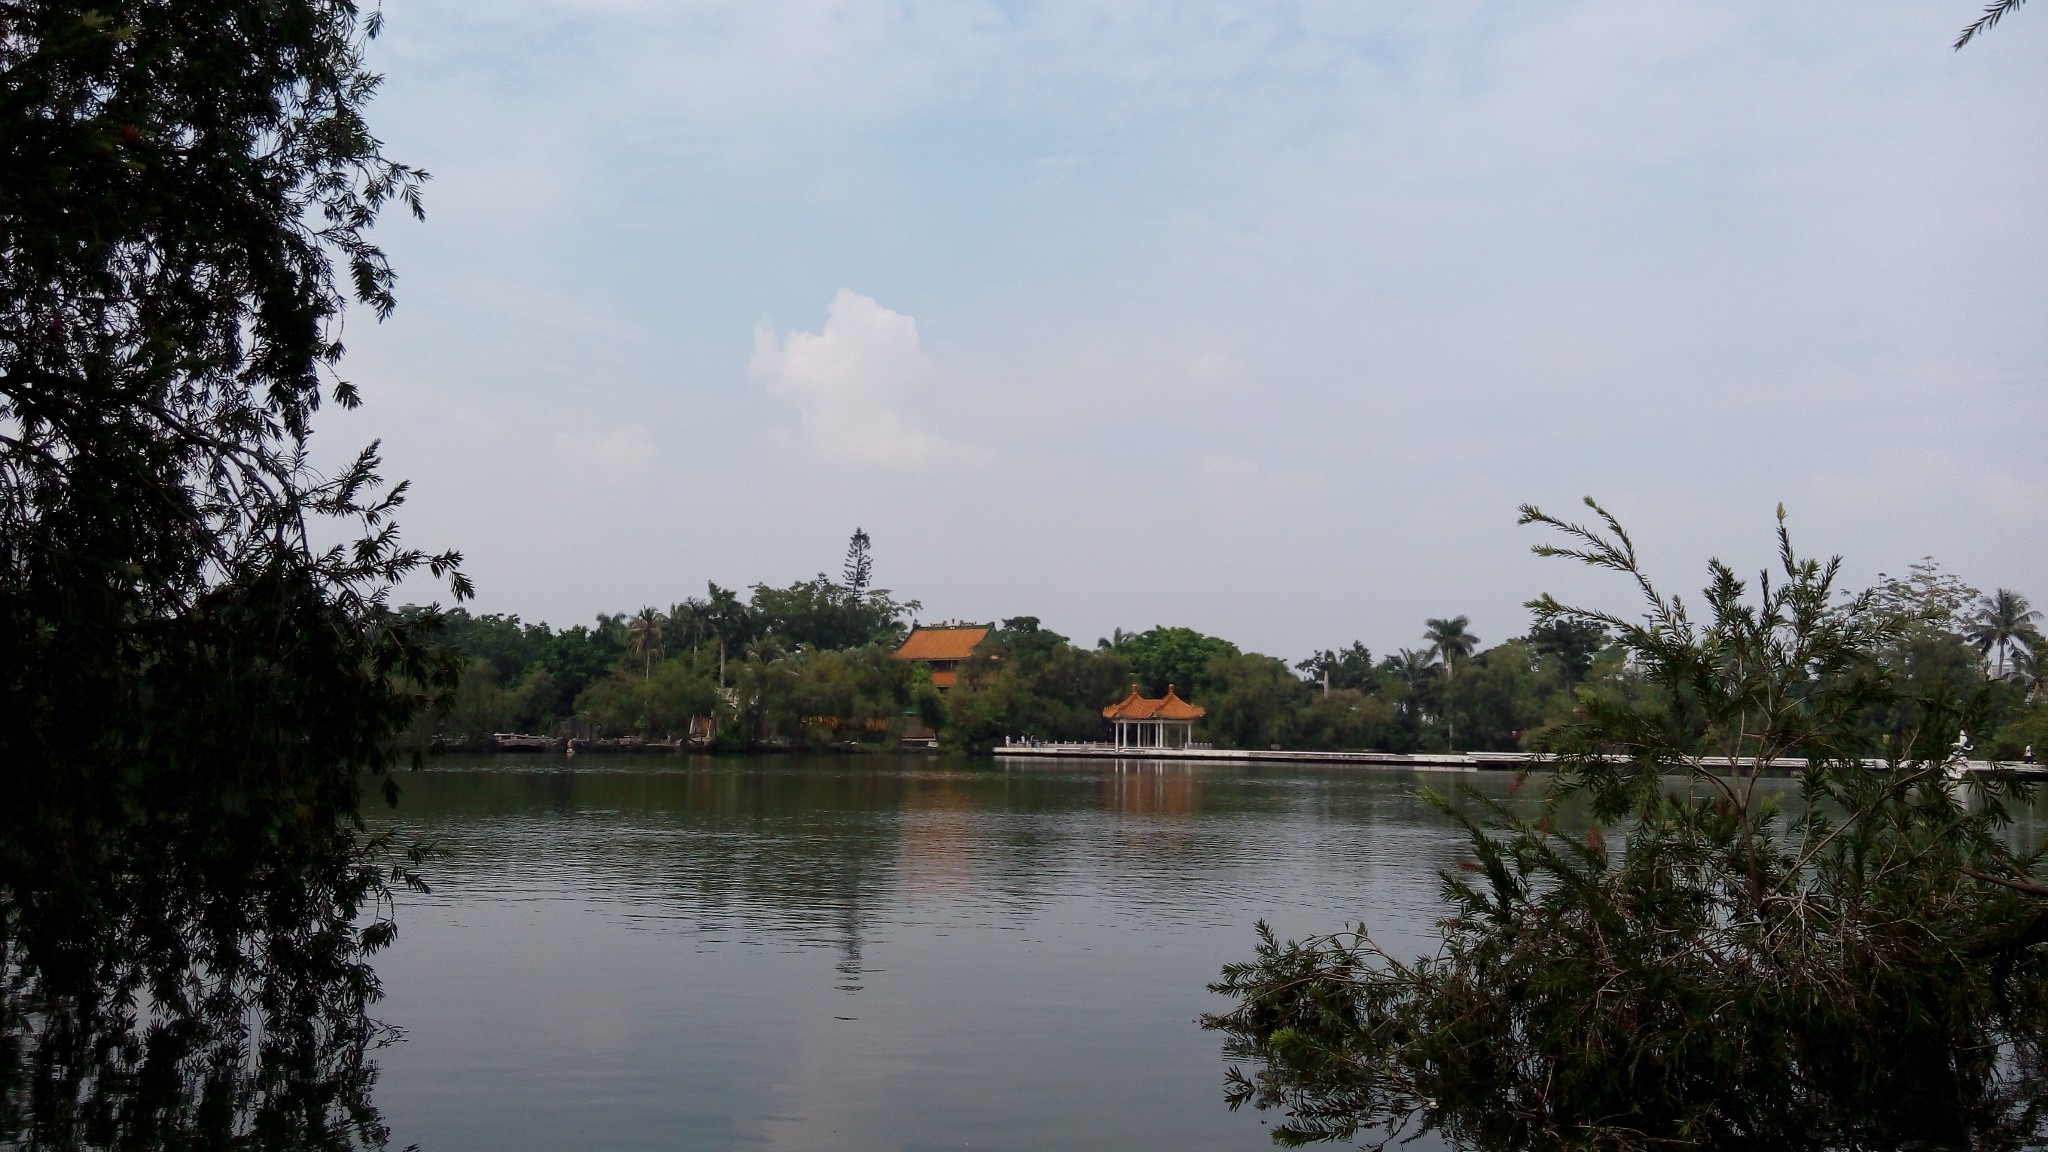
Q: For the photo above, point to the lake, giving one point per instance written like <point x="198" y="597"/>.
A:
<point x="887" y="952"/>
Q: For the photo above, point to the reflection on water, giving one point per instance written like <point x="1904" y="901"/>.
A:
<point x="212" y="1018"/>
<point x="864" y="953"/>
<point x="845" y="953"/>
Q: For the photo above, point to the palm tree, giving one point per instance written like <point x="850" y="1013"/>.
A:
<point x="1450" y="640"/>
<point x="728" y="618"/>
<point x="1414" y="669"/>
<point x="2004" y="621"/>
<point x="688" y="622"/>
<point x="643" y="633"/>
<point x="2026" y="662"/>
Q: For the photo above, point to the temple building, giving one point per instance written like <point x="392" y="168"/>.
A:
<point x="1168" y="722"/>
<point x="942" y="648"/>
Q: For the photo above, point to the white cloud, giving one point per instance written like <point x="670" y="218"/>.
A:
<point x="1239" y="487"/>
<point x="849" y="383"/>
<point x="618" y="459"/>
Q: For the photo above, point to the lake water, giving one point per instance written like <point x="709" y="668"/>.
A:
<point x="865" y="952"/>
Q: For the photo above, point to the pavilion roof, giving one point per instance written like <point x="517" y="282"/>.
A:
<point x="1167" y="707"/>
<point x="941" y="643"/>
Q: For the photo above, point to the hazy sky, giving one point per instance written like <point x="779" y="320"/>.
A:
<point x="1261" y="318"/>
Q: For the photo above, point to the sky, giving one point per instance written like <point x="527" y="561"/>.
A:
<point x="1258" y="318"/>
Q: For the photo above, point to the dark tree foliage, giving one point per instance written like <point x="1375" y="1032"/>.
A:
<point x="1866" y="968"/>
<point x="859" y="571"/>
<point x="191" y="687"/>
<point x="1027" y="681"/>
<point x="1254" y="701"/>
<point x="1570" y="644"/>
<point x="820" y="613"/>
<point x="1501" y="696"/>
<point x="1350" y="667"/>
<point x="1166" y="657"/>
<point x="806" y="665"/>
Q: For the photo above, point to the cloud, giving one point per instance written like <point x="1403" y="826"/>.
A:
<point x="849" y="382"/>
<point x="1442" y="258"/>
<point x="618" y="459"/>
<point x="1239" y="487"/>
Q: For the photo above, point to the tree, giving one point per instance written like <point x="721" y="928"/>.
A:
<point x="1252" y="700"/>
<point x="1449" y="640"/>
<point x="860" y="566"/>
<point x="2004" y="621"/>
<point x="644" y="634"/>
<point x="730" y="621"/>
<point x="1413" y="669"/>
<point x="854" y="695"/>
<point x="1344" y="718"/>
<point x="1504" y="694"/>
<point x="1571" y="644"/>
<point x="653" y="707"/>
<point x="819" y="613"/>
<point x="1028" y="681"/>
<point x="1175" y="657"/>
<point x="194" y="688"/>
<point x="1926" y="597"/>
<point x="1350" y="668"/>
<point x="1861" y="969"/>
<point x="1993" y="13"/>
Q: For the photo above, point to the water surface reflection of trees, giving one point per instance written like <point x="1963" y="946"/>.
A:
<point x="261" y="1045"/>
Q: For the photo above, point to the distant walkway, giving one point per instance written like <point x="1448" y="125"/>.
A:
<point x="1432" y="761"/>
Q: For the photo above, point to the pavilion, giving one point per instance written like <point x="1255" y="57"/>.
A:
<point x="1168" y="722"/>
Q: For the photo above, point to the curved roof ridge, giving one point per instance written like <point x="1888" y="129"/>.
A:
<point x="1168" y="707"/>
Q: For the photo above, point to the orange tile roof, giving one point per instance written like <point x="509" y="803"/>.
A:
<point x="944" y="678"/>
<point x="940" y="643"/>
<point x="1168" y="707"/>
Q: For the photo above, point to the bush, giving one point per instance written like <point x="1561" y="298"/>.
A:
<point x="1867" y="968"/>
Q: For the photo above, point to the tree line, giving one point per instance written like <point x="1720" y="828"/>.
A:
<point x="810" y="665"/>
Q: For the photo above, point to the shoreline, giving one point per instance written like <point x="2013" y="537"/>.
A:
<point x="1434" y="761"/>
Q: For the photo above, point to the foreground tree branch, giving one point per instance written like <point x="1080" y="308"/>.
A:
<point x="193" y="694"/>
